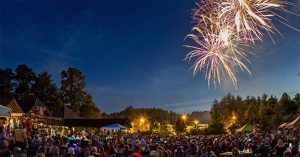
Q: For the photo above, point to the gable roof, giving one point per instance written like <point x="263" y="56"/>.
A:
<point x="66" y="113"/>
<point x="28" y="104"/>
<point x="12" y="104"/>
<point x="6" y="101"/>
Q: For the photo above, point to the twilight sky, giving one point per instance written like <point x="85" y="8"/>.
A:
<point x="132" y="52"/>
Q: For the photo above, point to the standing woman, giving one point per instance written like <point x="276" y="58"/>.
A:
<point x="280" y="148"/>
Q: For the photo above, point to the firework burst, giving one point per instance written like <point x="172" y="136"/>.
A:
<point x="224" y="31"/>
<point x="217" y="54"/>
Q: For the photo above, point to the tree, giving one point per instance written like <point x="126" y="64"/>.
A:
<point x="73" y="88"/>
<point x="263" y="117"/>
<point x="89" y="108"/>
<point x="216" y="128"/>
<point x="25" y="79"/>
<point x="289" y="106"/>
<point x="46" y="91"/>
<point x="179" y="125"/>
<point x="251" y="113"/>
<point x="277" y="118"/>
<point x="6" y="83"/>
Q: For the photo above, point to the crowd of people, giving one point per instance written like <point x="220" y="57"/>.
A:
<point x="121" y="144"/>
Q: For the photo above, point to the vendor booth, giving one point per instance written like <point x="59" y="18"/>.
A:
<point x="4" y="112"/>
<point x="16" y="117"/>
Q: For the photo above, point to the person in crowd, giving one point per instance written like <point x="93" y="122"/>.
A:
<point x="136" y="152"/>
<point x="71" y="150"/>
<point x="54" y="149"/>
<point x="235" y="152"/>
<point x="146" y="151"/>
<point x="280" y="148"/>
<point x="118" y="144"/>
<point x="263" y="149"/>
<point x="41" y="152"/>
<point x="20" y="138"/>
<point x="179" y="152"/>
<point x="3" y="140"/>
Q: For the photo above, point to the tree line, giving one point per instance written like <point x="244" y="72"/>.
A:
<point x="268" y="112"/>
<point x="23" y="84"/>
<point x="227" y="114"/>
<point x="158" y="120"/>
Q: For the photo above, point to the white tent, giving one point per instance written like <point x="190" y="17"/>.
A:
<point x="5" y="111"/>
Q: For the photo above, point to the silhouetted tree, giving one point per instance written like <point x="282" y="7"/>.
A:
<point x="25" y="78"/>
<point x="6" y="83"/>
<point x="46" y="91"/>
<point x="73" y="88"/>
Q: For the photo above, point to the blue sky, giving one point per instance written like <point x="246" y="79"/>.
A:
<point x="132" y="52"/>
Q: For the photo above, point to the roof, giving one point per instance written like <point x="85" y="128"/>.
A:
<point x="6" y="101"/>
<point x="5" y="111"/>
<point x="28" y="104"/>
<point x="66" y="113"/>
<point x="97" y="123"/>
<point x="12" y="104"/>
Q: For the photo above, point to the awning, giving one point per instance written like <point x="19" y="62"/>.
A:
<point x="5" y="111"/>
<point x="115" y="126"/>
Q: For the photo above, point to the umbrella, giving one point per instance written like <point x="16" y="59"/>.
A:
<point x="115" y="126"/>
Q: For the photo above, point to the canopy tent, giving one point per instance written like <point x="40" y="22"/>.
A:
<point x="5" y="111"/>
<point x="246" y="128"/>
<point x="294" y="124"/>
<point x="115" y="126"/>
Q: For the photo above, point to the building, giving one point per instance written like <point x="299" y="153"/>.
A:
<point x="17" y="114"/>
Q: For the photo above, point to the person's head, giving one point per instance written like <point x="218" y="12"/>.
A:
<point x="280" y="143"/>
<point x="179" y="149"/>
<point x="136" y="149"/>
<point x="2" y="129"/>
<point x="286" y="154"/>
<point x="213" y="155"/>
<point x="42" y="150"/>
<point x="235" y="152"/>
<point x="101" y="150"/>
<point x="94" y="150"/>
<point x="20" y="126"/>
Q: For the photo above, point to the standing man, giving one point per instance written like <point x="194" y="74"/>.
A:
<point x="21" y="138"/>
